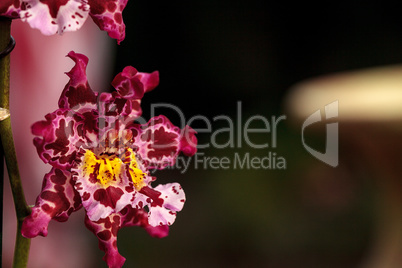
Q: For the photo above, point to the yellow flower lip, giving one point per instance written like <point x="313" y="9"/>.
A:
<point x="108" y="169"/>
<point x="135" y="172"/>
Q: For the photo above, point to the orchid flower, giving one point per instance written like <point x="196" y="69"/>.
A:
<point x="59" y="16"/>
<point x="101" y="159"/>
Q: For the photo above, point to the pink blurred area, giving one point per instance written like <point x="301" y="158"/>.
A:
<point x="38" y="66"/>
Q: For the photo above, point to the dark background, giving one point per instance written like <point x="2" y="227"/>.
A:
<point x="212" y="54"/>
<point x="223" y="51"/>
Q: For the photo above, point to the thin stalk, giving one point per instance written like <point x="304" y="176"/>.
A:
<point x="22" y="244"/>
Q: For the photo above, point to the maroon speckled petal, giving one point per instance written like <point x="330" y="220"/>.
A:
<point x="107" y="14"/>
<point x="131" y="84"/>
<point x="139" y="217"/>
<point x="159" y="142"/>
<point x="57" y="200"/>
<point x="128" y="84"/>
<point x="62" y="134"/>
<point x="77" y="94"/>
<point x="114" y="107"/>
<point x="106" y="230"/>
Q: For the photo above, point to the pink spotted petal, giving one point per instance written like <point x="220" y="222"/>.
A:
<point x="98" y="200"/>
<point x="100" y="203"/>
<point x="159" y="216"/>
<point x="111" y="121"/>
<point x="159" y="142"/>
<point x="107" y="14"/>
<point x="166" y="201"/>
<point x="77" y="95"/>
<point x="55" y="16"/>
<point x="173" y="196"/>
<point x="57" y="200"/>
<point x="10" y="8"/>
<point x="139" y="217"/>
<point x="62" y="134"/>
<point x="106" y="231"/>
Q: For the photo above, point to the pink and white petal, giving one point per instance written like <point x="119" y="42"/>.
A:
<point x="139" y="217"/>
<point x="10" y="8"/>
<point x="100" y="205"/>
<point x="57" y="200"/>
<point x="77" y="94"/>
<point x="163" y="203"/>
<point x="159" y="216"/>
<point x="52" y="17"/>
<point x="106" y="231"/>
<point x="98" y="200"/>
<point x="173" y="196"/>
<point x="59" y="139"/>
<point x="160" y="142"/>
<point x="63" y="133"/>
<point x="140" y="201"/>
<point x="107" y="14"/>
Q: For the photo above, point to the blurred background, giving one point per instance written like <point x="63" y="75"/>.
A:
<point x="212" y="55"/>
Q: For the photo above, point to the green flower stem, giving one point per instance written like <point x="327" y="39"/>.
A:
<point x="22" y="244"/>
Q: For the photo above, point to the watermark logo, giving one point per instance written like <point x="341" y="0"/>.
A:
<point x="244" y="138"/>
<point x="330" y="156"/>
<point x="249" y="142"/>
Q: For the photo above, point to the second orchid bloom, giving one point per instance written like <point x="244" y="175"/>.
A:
<point x="101" y="159"/>
<point x="59" y="16"/>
